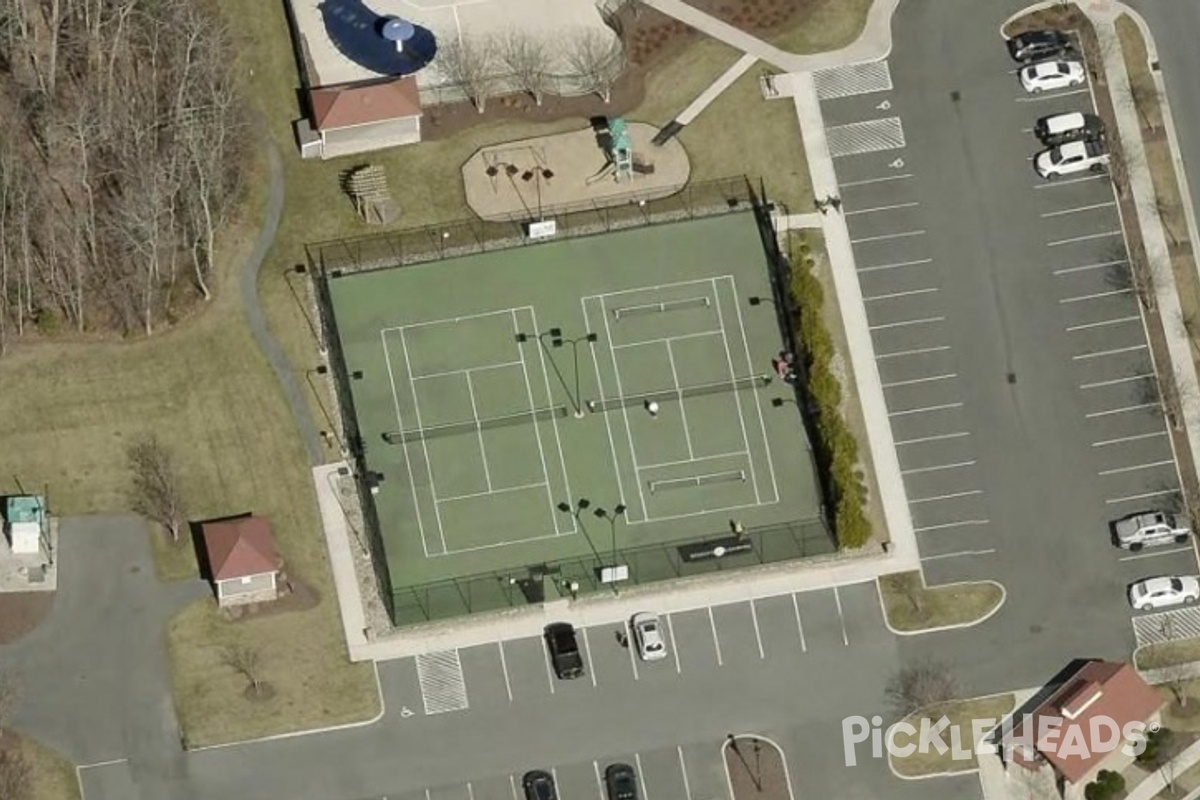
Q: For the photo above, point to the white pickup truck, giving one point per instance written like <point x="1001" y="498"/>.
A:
<point x="1150" y="528"/>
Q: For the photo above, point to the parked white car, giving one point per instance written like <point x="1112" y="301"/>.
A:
<point x="647" y="634"/>
<point x="1050" y="75"/>
<point x="1164" y="592"/>
<point x="1071" y="158"/>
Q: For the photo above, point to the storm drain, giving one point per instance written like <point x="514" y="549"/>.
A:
<point x="442" y="686"/>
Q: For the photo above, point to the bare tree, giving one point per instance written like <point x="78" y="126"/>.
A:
<point x="157" y="489"/>
<point x="527" y="58"/>
<point x="920" y="685"/>
<point x="596" y="58"/>
<point x="247" y="662"/>
<point x="470" y="63"/>
<point x="1166" y="211"/>
<point x="1142" y="96"/>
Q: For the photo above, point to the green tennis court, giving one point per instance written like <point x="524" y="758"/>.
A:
<point x="576" y="415"/>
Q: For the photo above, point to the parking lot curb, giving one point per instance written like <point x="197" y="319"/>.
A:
<point x="940" y="628"/>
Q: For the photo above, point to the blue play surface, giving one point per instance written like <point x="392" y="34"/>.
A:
<point x="357" y="32"/>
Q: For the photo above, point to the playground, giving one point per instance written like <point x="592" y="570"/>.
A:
<point x="576" y="416"/>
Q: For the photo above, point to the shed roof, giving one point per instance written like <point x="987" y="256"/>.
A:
<point x="240" y="547"/>
<point x="361" y="104"/>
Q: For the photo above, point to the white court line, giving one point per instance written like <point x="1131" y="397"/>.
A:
<point x="649" y="289"/>
<point x="1121" y="410"/>
<point x="762" y="425"/>
<point x="629" y="647"/>
<point x="1077" y="210"/>
<point x="1137" y="467"/>
<point x="1115" y="352"/>
<point x="1036" y="98"/>
<point x="1105" y="323"/>
<point x="922" y="321"/>
<point x="487" y="473"/>
<point x="1087" y="238"/>
<point x="1048" y="184"/>
<point x="757" y="632"/>
<point x="896" y="265"/>
<point x="504" y="669"/>
<point x="449" y="320"/>
<point x="894" y="295"/>
<point x="612" y="443"/>
<point x="880" y="208"/>
<point x="887" y="236"/>
<point x="537" y="432"/>
<point x="1152" y="554"/>
<point x="924" y="410"/>
<point x="947" y="525"/>
<point x="943" y="377"/>
<point x="503" y="490"/>
<point x="674" y="646"/>
<point x="936" y="438"/>
<point x="716" y="642"/>
<point x="799" y="623"/>
<point x="1085" y="267"/>
<point x="1115" y="381"/>
<point x="875" y="180"/>
<point x="1144" y="495"/>
<point x="745" y="453"/>
<point x="918" y="352"/>
<point x="939" y="468"/>
<point x="941" y="497"/>
<point x="492" y="545"/>
<point x="668" y="339"/>
<point x="959" y="553"/>
<point x="687" y="789"/>
<point x="588" y="646"/>
<point x="480" y="368"/>
<point x="1098" y="295"/>
<point x="837" y="599"/>
<point x="1138" y="437"/>
<point x="412" y="479"/>
<point x="687" y="434"/>
<point x="424" y="446"/>
<point x="624" y="411"/>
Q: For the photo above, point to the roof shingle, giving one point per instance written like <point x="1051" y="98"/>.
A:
<point x="238" y="548"/>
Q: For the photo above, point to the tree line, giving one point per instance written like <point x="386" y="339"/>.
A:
<point x="121" y="146"/>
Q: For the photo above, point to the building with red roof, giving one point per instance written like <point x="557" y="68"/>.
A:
<point x="360" y="117"/>
<point x="243" y="564"/>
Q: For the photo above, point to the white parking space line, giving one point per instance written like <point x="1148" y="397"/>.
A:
<point x="1087" y="238"/>
<point x="1116" y="352"/>
<point x="429" y="796"/>
<point x="757" y="632"/>
<point x="886" y="236"/>
<point x="1086" y="267"/>
<point x="588" y="646"/>
<point x="875" y="180"/>
<point x="894" y="295"/>
<point x="599" y="782"/>
<point x="1143" y="496"/>
<point x="629" y="647"/>
<point x="1048" y="184"/>
<point x="1116" y="381"/>
<point x="1105" y="323"/>
<point x="939" y="437"/>
<point x="939" y="468"/>
<point x="881" y="208"/>
<point x="637" y="760"/>
<point x="896" y="265"/>
<point x="512" y="784"/>
<point x="1137" y="467"/>
<point x="1037" y="98"/>
<point x="1123" y="439"/>
<point x="918" y="352"/>
<point x="1098" y="295"/>
<point x="1121" y="410"/>
<point x="674" y="647"/>
<point x="924" y="410"/>
<point x="470" y="791"/>
<point x="549" y="671"/>
<point x="947" y="525"/>
<point x="959" y="554"/>
<point x="504" y="669"/>
<point x="799" y="623"/>
<point x="837" y="599"/>
<point x="716" y="642"/>
<point x="687" y="789"/>
<point x="1078" y="209"/>
<point x="922" y="321"/>
<point x="1158" y="553"/>
<point x="939" y="498"/>
<point x="943" y="377"/>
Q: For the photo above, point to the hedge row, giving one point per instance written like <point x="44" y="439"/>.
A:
<point x="837" y="448"/>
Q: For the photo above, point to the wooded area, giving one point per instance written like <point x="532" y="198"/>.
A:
<point x="122" y="143"/>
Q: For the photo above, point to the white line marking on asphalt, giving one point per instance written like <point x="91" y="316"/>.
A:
<point x="641" y="775"/>
<point x="674" y="647"/>
<point x="799" y="623"/>
<point x="1048" y="184"/>
<point x="1081" y="298"/>
<point x="1135" y="468"/>
<point x="1115" y="381"/>
<point x="1104" y="323"/>
<point x="837" y="599"/>
<point x="549" y="671"/>
<point x="1142" y="496"/>
<point x="936" y="438"/>
<point x="428" y="796"/>
<point x="918" y="352"/>
<point x="1087" y="238"/>
<point x="1077" y="210"/>
<point x="923" y="321"/>
<point x="110" y="762"/>
<point x="1138" y="437"/>
<point x="1084" y="267"/>
<point x="1115" y="352"/>
<point x="910" y="382"/>
<point x="599" y="783"/>
<point x="1037" y="98"/>
<point x="504" y="668"/>
<point x="881" y="208"/>
<point x="1121" y="410"/>
<point x="687" y="789"/>
<point x="875" y="180"/>
<point x="939" y="468"/>
<point x="716" y="642"/>
<point x="1023" y="130"/>
<point x="887" y="236"/>
<point x="946" y="525"/>
<point x="959" y="553"/>
<point x="512" y="784"/>
<point x="908" y="411"/>
<point x="894" y="295"/>
<point x="757" y="632"/>
<point x="951" y="496"/>
<point x="1157" y="553"/>
<point x="629" y="646"/>
<point x="896" y="265"/>
<point x="470" y="791"/>
<point x="588" y="646"/>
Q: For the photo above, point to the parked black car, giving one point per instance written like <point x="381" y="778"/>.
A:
<point x="621" y="782"/>
<point x="1036" y="45"/>
<point x="1059" y="129"/>
<point x="564" y="650"/>
<point x="539" y="785"/>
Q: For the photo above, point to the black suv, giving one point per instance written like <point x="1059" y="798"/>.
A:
<point x="1075" y="126"/>
<point x="621" y="782"/>
<point x="1036" y="45"/>
<point x="539" y="785"/>
<point x="564" y="650"/>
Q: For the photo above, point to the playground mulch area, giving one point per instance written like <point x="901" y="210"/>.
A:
<point x="537" y="414"/>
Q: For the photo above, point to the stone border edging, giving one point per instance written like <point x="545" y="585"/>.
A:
<point x="939" y="628"/>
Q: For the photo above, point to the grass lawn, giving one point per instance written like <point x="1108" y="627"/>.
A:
<point x="52" y="773"/>
<point x="1168" y="654"/>
<point x="910" y="606"/>
<point x="960" y="713"/>
<point x="829" y="25"/>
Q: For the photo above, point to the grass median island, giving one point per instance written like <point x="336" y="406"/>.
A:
<point x="911" y="606"/>
<point x="1168" y="654"/>
<point x="51" y="774"/>
<point x="961" y="714"/>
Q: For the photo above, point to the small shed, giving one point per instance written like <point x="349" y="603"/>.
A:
<point x="361" y="117"/>
<point x="25" y="524"/>
<point x="243" y="564"/>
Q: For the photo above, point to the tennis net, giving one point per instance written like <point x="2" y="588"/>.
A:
<point x="665" y="395"/>
<point x="472" y="426"/>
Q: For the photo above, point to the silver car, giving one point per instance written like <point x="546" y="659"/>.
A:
<point x="647" y="635"/>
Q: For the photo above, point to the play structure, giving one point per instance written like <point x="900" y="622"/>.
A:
<point x="620" y="161"/>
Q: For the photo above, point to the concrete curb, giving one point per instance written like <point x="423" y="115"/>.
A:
<point x="787" y="775"/>
<point x="955" y="626"/>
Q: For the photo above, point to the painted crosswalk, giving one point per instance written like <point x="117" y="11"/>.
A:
<point x="1166" y="626"/>
<point x="865" y="137"/>
<point x="442" y="686"/>
<point x="853" y="79"/>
